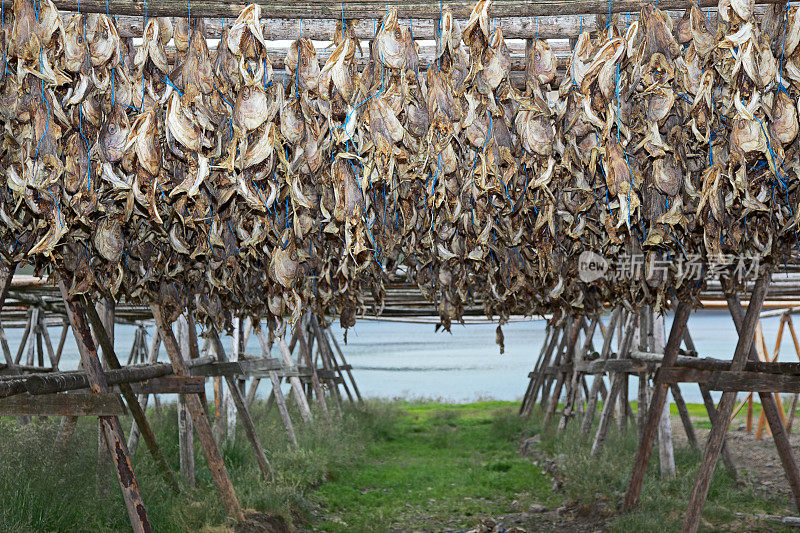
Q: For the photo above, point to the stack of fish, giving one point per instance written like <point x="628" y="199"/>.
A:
<point x="143" y="173"/>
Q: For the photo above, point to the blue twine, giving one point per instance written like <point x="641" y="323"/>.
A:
<point x="166" y="80"/>
<point x="85" y="140"/>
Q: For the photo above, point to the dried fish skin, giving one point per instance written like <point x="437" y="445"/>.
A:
<point x="542" y="63"/>
<point x="390" y="47"/>
<point x="151" y="48"/>
<point x="114" y="134"/>
<point x="143" y="138"/>
<point x="667" y="176"/>
<point x="108" y="239"/>
<point x="251" y="109"/>
<point x="301" y="61"/>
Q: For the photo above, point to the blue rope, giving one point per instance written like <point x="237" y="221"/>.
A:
<point x="169" y="82"/>
<point x="88" y="155"/>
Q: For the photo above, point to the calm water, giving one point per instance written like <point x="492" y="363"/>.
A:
<point x="411" y="360"/>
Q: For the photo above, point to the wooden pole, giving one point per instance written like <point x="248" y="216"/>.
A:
<point x="241" y="407"/>
<point x="362" y="9"/>
<point x="616" y="385"/>
<point x="277" y="393"/>
<point x="325" y="357"/>
<point x="746" y="329"/>
<point x="539" y="378"/>
<point x="711" y="409"/>
<point x="130" y="398"/>
<point x="666" y="452"/>
<point x="152" y="357"/>
<point x="574" y="388"/>
<point x="536" y="369"/>
<point x="768" y="405"/>
<point x="297" y="387"/>
<point x="344" y="362"/>
<point x="185" y="426"/>
<point x="656" y="407"/>
<point x="110" y="424"/>
<point x="597" y="381"/>
<point x="306" y="354"/>
<point x="568" y="357"/>
<point x="201" y="425"/>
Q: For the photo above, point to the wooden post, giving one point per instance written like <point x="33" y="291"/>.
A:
<point x="230" y="408"/>
<point x="152" y="357"/>
<point x="549" y="380"/>
<point x="574" y="388"/>
<point x="111" y="426"/>
<point x="540" y="376"/>
<point x="241" y="407"/>
<point x="597" y="380"/>
<point x="665" y="450"/>
<point x="536" y="369"/>
<point x="746" y="328"/>
<point x="643" y="381"/>
<point x="768" y="405"/>
<point x="344" y="362"/>
<point x="325" y="353"/>
<point x="185" y="426"/>
<point x="297" y="387"/>
<point x="616" y="385"/>
<point x="62" y="339"/>
<point x="711" y="409"/>
<point x="277" y="393"/>
<point x="655" y="409"/>
<point x="202" y="427"/>
<point x="568" y="358"/>
<point x="127" y="392"/>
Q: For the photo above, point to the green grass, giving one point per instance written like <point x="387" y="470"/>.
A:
<point x="432" y="466"/>
<point x="663" y="502"/>
<point x="44" y="491"/>
<point x="385" y="465"/>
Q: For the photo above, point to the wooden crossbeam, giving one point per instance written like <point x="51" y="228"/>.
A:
<point x="171" y="385"/>
<point x="364" y="9"/>
<point x="71" y="404"/>
<point x="731" y="381"/>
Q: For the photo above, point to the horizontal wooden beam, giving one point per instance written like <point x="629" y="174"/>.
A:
<point x="171" y="385"/>
<point x="71" y="404"/>
<point x="236" y="368"/>
<point x="66" y="381"/>
<point x="363" y="9"/>
<point x="561" y="27"/>
<point x="732" y="381"/>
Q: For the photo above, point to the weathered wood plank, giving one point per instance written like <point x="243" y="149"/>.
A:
<point x="365" y="9"/>
<point x="171" y="385"/>
<point x="71" y="404"/>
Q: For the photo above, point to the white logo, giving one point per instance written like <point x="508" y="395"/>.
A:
<point x="591" y="266"/>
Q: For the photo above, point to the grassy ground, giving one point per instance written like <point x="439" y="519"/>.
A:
<point x="435" y="467"/>
<point x="44" y="491"/>
<point x="386" y="465"/>
<point x="663" y="501"/>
